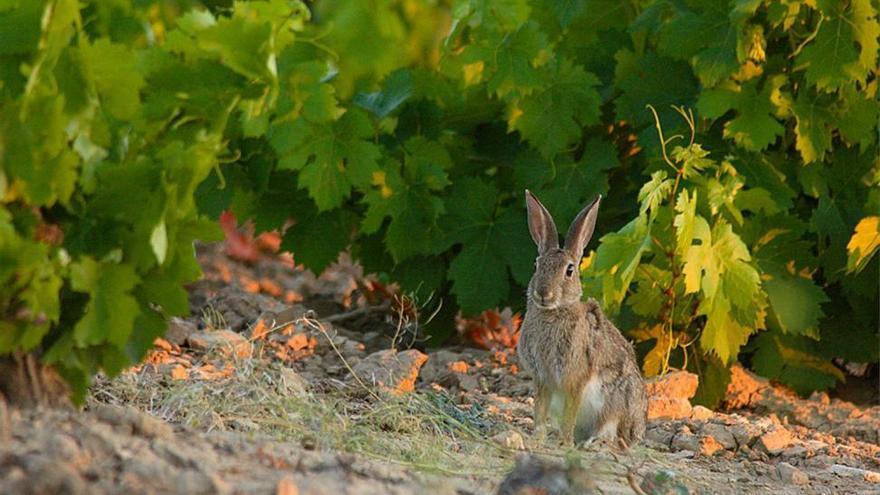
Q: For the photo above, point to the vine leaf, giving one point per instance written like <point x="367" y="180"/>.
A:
<point x="111" y="309"/>
<point x="552" y="119"/>
<point x="753" y="127"/>
<point x="845" y="47"/>
<point x="332" y="158"/>
<point x="863" y="244"/>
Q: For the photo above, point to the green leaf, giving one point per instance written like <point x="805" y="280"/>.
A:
<point x="857" y="115"/>
<point x="308" y="92"/>
<point x="845" y="47"/>
<point x="795" y="303"/>
<point x="408" y="194"/>
<point x="693" y="159"/>
<point x="722" y="335"/>
<point x="648" y="298"/>
<point x="791" y="360"/>
<point x="814" y="123"/>
<point x="753" y="127"/>
<point x="159" y="241"/>
<point x="654" y="192"/>
<point x="396" y="90"/>
<point x="574" y="184"/>
<point x="714" y="376"/>
<point x="700" y="268"/>
<point x="617" y="258"/>
<point x="706" y="37"/>
<point x="516" y="61"/>
<point x="686" y="206"/>
<point x="568" y="10"/>
<point x="331" y="158"/>
<point x="493" y="241"/>
<point x="116" y="77"/>
<point x="112" y="309"/>
<point x="651" y="79"/>
<point x="552" y="119"/>
<point x="317" y="238"/>
<point x="242" y="44"/>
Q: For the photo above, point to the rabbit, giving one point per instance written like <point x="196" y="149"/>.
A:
<point x="578" y="359"/>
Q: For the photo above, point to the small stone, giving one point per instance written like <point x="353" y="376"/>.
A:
<point x="685" y="440"/>
<point x="721" y="435"/>
<point x="776" y="440"/>
<point x="179" y="330"/>
<point x="226" y="341"/>
<point x="709" y="446"/>
<point x="744" y="433"/>
<point x="790" y="474"/>
<point x="510" y="440"/>
<point x="660" y="436"/>
<point x="293" y="383"/>
<point x="391" y="371"/>
<point x="700" y="413"/>
<point x="851" y="472"/>
<point x="820" y="397"/>
<point x="796" y="451"/>
<point x="683" y="454"/>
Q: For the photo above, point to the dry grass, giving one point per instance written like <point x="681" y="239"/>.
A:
<point x="426" y="431"/>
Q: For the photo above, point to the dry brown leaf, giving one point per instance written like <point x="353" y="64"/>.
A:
<point x="179" y="373"/>
<point x="298" y="342"/>
<point x="459" y="367"/>
<point x="163" y="344"/>
<point x="270" y="287"/>
<point x="260" y="330"/>
<point x="249" y="284"/>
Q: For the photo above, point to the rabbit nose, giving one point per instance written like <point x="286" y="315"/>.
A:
<point x="545" y="296"/>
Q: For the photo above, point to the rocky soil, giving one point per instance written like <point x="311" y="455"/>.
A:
<point x="283" y="382"/>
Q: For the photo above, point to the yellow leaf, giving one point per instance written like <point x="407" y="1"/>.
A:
<point x="864" y="243"/>
<point x="515" y="113"/>
<point x="655" y="361"/>
<point x="473" y="73"/>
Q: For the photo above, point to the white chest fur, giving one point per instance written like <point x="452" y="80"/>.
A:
<point x="592" y="402"/>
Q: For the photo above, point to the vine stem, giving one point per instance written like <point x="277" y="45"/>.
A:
<point x="669" y="317"/>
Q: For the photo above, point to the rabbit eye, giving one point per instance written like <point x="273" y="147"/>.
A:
<point x="569" y="270"/>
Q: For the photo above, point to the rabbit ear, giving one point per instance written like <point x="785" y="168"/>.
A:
<point x="541" y="224"/>
<point x="582" y="229"/>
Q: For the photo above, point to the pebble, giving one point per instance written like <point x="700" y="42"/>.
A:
<point x="791" y="474"/>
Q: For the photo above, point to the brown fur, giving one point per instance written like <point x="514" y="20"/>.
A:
<point x="569" y="345"/>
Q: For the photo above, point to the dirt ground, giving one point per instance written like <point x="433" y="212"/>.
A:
<point x="283" y="382"/>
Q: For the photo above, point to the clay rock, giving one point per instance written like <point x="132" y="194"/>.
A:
<point x="226" y="341"/>
<point x="775" y="440"/>
<point x="668" y="408"/>
<point x="700" y="413"/>
<point x="669" y="395"/>
<point x="677" y="384"/>
<point x="391" y="371"/>
<point x="720" y="434"/>
<point x="744" y="388"/>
